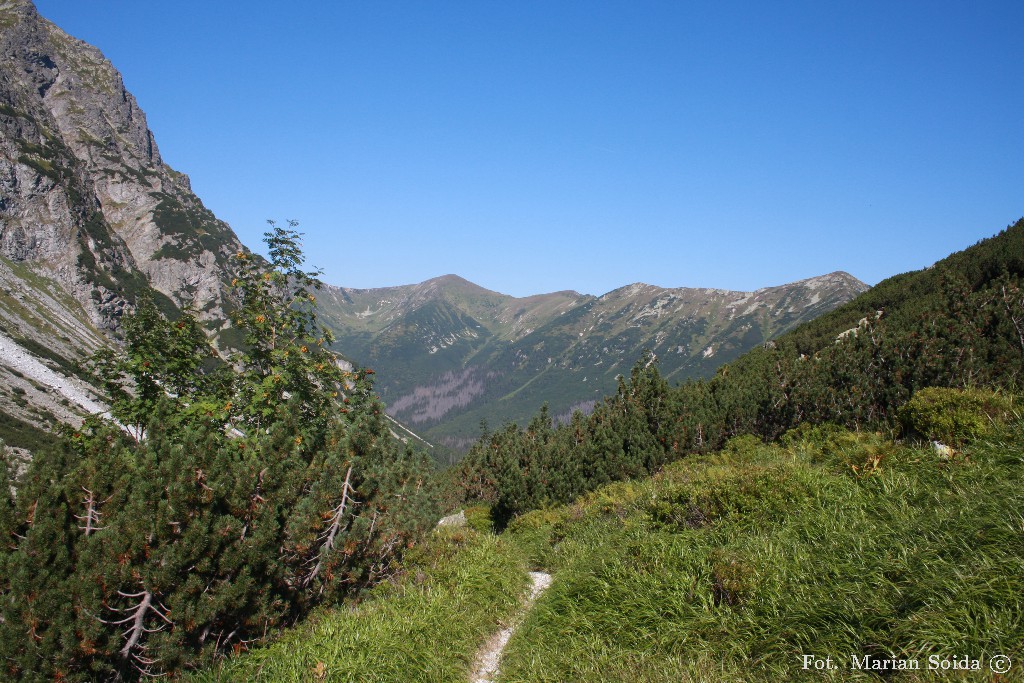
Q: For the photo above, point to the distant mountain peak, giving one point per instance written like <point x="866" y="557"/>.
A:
<point x="449" y="279"/>
<point x="451" y="353"/>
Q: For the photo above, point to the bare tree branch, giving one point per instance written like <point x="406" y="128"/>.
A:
<point x="337" y="516"/>
<point x="92" y="514"/>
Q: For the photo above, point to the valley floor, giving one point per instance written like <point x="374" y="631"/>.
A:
<point x="833" y="556"/>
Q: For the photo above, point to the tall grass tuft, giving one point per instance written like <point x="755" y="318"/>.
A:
<point x="734" y="566"/>
<point x="427" y="626"/>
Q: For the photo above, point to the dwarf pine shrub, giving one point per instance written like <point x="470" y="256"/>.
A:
<point x="953" y="416"/>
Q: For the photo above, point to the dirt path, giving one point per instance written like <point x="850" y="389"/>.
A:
<point x="487" y="661"/>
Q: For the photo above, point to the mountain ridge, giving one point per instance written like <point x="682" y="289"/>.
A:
<point x="451" y="354"/>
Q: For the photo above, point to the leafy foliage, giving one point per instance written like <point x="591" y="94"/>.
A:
<point x="227" y="500"/>
<point x="285" y="353"/>
<point x="161" y="360"/>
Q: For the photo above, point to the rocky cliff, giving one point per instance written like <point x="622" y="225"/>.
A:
<point x="90" y="215"/>
<point x="84" y="195"/>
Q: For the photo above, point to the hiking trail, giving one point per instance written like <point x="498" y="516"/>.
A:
<point x="487" y="661"/>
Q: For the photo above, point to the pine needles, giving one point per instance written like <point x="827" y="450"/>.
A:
<point x="427" y="627"/>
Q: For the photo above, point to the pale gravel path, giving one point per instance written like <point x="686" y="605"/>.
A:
<point x="487" y="661"/>
<point x="13" y="356"/>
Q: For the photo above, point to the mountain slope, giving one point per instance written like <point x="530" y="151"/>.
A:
<point x="957" y="325"/>
<point x="451" y="354"/>
<point x="90" y="215"/>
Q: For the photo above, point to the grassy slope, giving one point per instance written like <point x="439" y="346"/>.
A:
<point x="427" y="626"/>
<point x="731" y="567"/>
<point x="725" y="567"/>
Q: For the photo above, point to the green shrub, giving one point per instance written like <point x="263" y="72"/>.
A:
<point x="814" y="438"/>
<point x="953" y="416"/>
<point x="744" y="446"/>
<point x="478" y="518"/>
<point x="730" y="491"/>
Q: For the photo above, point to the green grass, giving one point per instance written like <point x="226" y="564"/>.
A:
<point x="733" y="566"/>
<point x="427" y="626"/>
<point x="727" y="567"/>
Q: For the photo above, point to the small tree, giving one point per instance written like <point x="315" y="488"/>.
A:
<point x="160" y="359"/>
<point x="286" y="350"/>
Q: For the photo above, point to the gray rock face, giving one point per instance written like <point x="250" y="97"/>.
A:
<point x="457" y="520"/>
<point x="84" y="194"/>
<point x="90" y="216"/>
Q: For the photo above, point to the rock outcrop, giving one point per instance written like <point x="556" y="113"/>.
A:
<point x="84" y="195"/>
<point x="90" y="215"/>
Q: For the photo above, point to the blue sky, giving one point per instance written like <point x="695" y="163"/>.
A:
<point x="539" y="146"/>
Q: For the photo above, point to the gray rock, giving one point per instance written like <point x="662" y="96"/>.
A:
<point x="457" y="520"/>
<point x="86" y="196"/>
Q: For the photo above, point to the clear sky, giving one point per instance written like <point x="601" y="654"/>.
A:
<point x="539" y="146"/>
